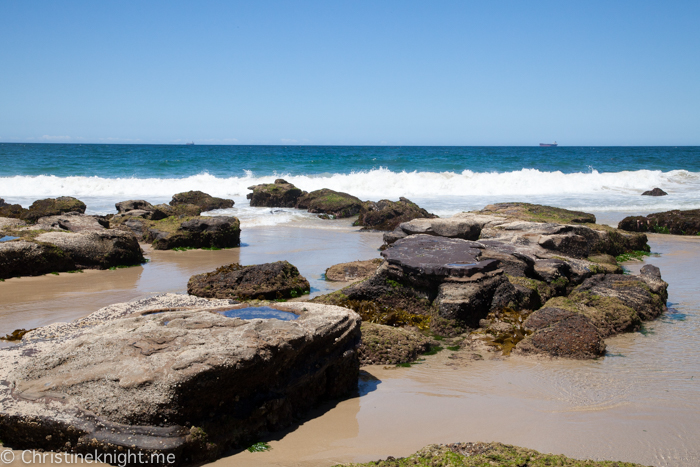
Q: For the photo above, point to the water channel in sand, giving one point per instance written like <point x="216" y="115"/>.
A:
<point x="640" y="403"/>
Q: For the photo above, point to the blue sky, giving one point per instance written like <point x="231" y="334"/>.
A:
<point x="352" y="72"/>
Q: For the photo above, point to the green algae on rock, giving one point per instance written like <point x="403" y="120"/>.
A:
<point x="486" y="455"/>
<point x="204" y="200"/>
<point x="538" y="213"/>
<point x="674" y="222"/>
<point x="386" y="345"/>
<point x="326" y="201"/>
<point x="280" y="194"/>
<point x="387" y="215"/>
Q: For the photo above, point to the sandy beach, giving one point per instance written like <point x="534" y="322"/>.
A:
<point x="640" y="403"/>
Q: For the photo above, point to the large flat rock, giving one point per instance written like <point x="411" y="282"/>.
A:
<point x="171" y="374"/>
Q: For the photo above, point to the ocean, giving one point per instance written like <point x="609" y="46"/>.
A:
<point x="606" y="181"/>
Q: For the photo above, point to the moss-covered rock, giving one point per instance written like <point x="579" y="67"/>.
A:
<point x="14" y="211"/>
<point x="330" y="202"/>
<point x="352" y="271"/>
<point x="205" y="201"/>
<point x="387" y="215"/>
<point x="674" y="222"/>
<point x="486" y="455"/>
<point x="386" y="345"/>
<point x="280" y="194"/>
<point x="192" y="232"/>
<point x="539" y="213"/>
<point x="53" y="207"/>
<point x="27" y="258"/>
<point x="267" y="281"/>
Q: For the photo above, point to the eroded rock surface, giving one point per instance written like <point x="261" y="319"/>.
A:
<point x="352" y="271"/>
<point x="53" y="207"/>
<point x="268" y="281"/>
<point x="205" y="201"/>
<point x="334" y="203"/>
<point x="670" y="222"/>
<point x="280" y="194"/>
<point x="386" y="345"/>
<point x="169" y="374"/>
<point x="387" y="215"/>
<point x="185" y="232"/>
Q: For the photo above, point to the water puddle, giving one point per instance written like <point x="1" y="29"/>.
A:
<point x="7" y="238"/>
<point x="259" y="312"/>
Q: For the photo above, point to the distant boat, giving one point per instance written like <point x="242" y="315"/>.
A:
<point x="549" y="145"/>
<point x="192" y="144"/>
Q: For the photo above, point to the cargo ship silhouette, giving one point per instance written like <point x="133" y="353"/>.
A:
<point x="549" y="145"/>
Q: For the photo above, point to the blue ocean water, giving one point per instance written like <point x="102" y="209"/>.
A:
<point x="445" y="180"/>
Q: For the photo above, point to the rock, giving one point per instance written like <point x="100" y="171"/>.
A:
<point x="133" y="205"/>
<point x="538" y="213"/>
<point x="670" y="222"/>
<point x="171" y="375"/>
<point x="561" y="333"/>
<point x="655" y="192"/>
<point x="387" y="215"/>
<point x="352" y="271"/>
<point x="23" y="258"/>
<point x="11" y="223"/>
<point x="386" y="345"/>
<point x="453" y="227"/>
<point x="53" y="207"/>
<point x="268" y="281"/>
<point x="73" y="222"/>
<point x="97" y="249"/>
<point x="616" y="303"/>
<point x="203" y="200"/>
<point x="470" y="302"/>
<point x="485" y="454"/>
<point x="11" y="210"/>
<point x="280" y="194"/>
<point x="331" y="202"/>
<point x="194" y="232"/>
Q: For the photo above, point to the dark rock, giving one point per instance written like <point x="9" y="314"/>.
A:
<point x="267" y="281"/>
<point x="427" y="255"/>
<point x="616" y="303"/>
<point x="280" y="194"/>
<point x="470" y="302"/>
<point x="386" y="345"/>
<point x="655" y="192"/>
<point x="97" y="249"/>
<point x="538" y="213"/>
<point x="23" y="258"/>
<point x="560" y="333"/>
<point x="170" y="375"/>
<point x="353" y="271"/>
<point x="458" y="226"/>
<point x="133" y="205"/>
<point x="674" y="222"/>
<point x="196" y="232"/>
<point x="205" y="201"/>
<point x="387" y="215"/>
<point x="327" y="201"/>
<point x="53" y="207"/>
<point x="11" y="210"/>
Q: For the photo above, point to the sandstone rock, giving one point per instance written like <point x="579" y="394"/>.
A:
<point x="331" y="202"/>
<point x="386" y="345"/>
<point x="470" y="302"/>
<point x="195" y="232"/>
<point x="466" y="226"/>
<point x="616" y="303"/>
<point x="11" y="223"/>
<point x="561" y="333"/>
<point x="538" y="213"/>
<point x="387" y="215"/>
<point x="73" y="222"/>
<point x="280" y="194"/>
<point x="655" y="192"/>
<point x="674" y="222"/>
<point x="97" y="249"/>
<point x="53" y="207"/>
<point x="171" y="375"/>
<point x="23" y="258"/>
<point x="352" y="271"/>
<point x="267" y="281"/>
<point x="205" y="201"/>
<point x="133" y="205"/>
<point x="11" y="210"/>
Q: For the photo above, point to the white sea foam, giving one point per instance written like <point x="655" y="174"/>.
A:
<point x="442" y="192"/>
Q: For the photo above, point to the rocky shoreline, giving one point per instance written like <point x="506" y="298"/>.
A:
<point x="177" y="374"/>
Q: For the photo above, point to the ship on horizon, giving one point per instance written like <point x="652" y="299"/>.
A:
<point x="189" y="144"/>
<point x="549" y="145"/>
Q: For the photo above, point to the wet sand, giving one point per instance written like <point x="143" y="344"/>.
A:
<point x="640" y="403"/>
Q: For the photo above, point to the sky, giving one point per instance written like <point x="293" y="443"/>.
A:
<point x="395" y="72"/>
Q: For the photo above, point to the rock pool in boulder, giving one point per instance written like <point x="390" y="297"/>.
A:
<point x="170" y="374"/>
